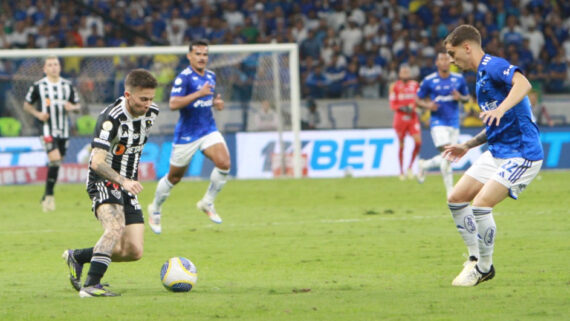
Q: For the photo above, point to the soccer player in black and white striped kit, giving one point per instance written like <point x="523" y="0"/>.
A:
<point x="120" y="134"/>
<point x="55" y="97"/>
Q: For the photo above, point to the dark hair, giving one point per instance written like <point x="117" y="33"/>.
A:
<point x="140" y="78"/>
<point x="199" y="42"/>
<point x="461" y="34"/>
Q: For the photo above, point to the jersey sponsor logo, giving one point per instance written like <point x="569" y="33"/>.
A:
<point x="176" y="90"/>
<point x="121" y="149"/>
<point x="203" y="103"/>
<point x="490" y="105"/>
<point x="116" y="193"/>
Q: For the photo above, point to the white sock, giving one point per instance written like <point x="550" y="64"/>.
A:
<point x="466" y="226"/>
<point x="218" y="179"/>
<point x="487" y="231"/>
<point x="447" y="175"/>
<point x="162" y="191"/>
<point x="433" y="162"/>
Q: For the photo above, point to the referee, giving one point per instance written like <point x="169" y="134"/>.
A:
<point x="55" y="98"/>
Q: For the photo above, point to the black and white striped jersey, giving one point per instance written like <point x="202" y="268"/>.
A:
<point x="52" y="98"/>
<point x="123" y="137"/>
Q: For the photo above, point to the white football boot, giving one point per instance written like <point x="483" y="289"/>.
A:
<point x="209" y="209"/>
<point x="154" y="219"/>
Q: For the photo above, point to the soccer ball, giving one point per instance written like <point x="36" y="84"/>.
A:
<point x="178" y="274"/>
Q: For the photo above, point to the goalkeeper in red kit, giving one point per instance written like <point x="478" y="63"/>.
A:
<point x="406" y="121"/>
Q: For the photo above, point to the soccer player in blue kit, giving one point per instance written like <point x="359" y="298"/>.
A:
<point x="512" y="161"/>
<point x="441" y="92"/>
<point x="193" y="95"/>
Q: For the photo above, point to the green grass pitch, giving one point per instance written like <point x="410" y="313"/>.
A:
<point x="320" y="249"/>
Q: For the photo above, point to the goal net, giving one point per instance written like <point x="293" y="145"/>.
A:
<point x="259" y="84"/>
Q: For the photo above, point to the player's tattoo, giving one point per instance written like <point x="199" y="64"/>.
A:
<point x="477" y="140"/>
<point x="113" y="221"/>
<point x="101" y="167"/>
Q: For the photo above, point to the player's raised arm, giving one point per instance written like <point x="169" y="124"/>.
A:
<point x="178" y="102"/>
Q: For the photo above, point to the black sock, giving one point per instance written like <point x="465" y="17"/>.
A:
<point x="98" y="267"/>
<point x="83" y="256"/>
<point x="51" y="179"/>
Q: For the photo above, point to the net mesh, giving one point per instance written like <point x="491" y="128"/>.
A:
<point x="246" y="82"/>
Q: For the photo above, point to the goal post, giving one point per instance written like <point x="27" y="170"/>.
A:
<point x="278" y="59"/>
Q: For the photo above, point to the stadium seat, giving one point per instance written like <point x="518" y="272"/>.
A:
<point x="86" y="125"/>
<point x="10" y="126"/>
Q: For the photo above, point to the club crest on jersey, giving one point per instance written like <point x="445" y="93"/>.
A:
<point x="124" y="131"/>
<point x="116" y="193"/>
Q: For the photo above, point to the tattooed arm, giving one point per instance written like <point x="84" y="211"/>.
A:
<point x="456" y="151"/>
<point x="100" y="166"/>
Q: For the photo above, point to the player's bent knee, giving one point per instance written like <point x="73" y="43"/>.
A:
<point x="224" y="165"/>
<point x="456" y="198"/>
<point x="174" y="179"/>
<point x="135" y="253"/>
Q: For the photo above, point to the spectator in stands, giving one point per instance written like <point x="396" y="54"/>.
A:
<point x="350" y="36"/>
<point x="265" y="119"/>
<point x="335" y="71"/>
<point x="310" y="46"/>
<point x="317" y="83"/>
<point x="512" y="33"/>
<point x="312" y="117"/>
<point x="350" y="85"/>
<point x="370" y="76"/>
<point x="539" y="111"/>
<point x="557" y="72"/>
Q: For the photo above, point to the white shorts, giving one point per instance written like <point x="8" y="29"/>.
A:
<point x="182" y="153"/>
<point x="444" y="135"/>
<point x="513" y="173"/>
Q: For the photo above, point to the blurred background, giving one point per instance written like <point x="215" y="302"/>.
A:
<point x="349" y="52"/>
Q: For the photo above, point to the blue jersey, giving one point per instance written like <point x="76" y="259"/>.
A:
<point x="517" y="135"/>
<point x="440" y="90"/>
<point x="196" y="119"/>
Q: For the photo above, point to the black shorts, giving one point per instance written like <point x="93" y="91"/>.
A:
<point x="105" y="192"/>
<point x="52" y="143"/>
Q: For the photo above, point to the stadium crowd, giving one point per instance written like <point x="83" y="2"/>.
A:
<point x="348" y="48"/>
